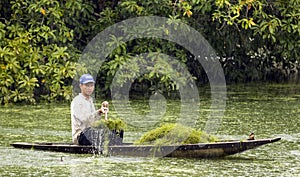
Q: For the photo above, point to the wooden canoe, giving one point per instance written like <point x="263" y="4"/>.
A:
<point x="201" y="150"/>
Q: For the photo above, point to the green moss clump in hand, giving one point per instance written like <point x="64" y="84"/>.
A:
<point x="172" y="134"/>
<point x="111" y="124"/>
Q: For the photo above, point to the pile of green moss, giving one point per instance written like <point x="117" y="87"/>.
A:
<point x="174" y="134"/>
<point x="111" y="124"/>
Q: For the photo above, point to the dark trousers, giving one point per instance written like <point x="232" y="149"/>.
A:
<point x="83" y="139"/>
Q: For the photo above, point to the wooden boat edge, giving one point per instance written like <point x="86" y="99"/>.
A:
<point x="200" y="150"/>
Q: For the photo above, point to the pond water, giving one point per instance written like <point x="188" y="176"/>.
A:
<point x="268" y="110"/>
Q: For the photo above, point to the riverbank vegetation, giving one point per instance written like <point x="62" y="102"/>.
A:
<point x="42" y="41"/>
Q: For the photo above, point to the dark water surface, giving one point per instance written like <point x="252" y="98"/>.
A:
<point x="267" y="110"/>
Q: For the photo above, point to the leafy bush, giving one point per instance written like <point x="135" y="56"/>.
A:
<point x="37" y="57"/>
<point x="41" y="41"/>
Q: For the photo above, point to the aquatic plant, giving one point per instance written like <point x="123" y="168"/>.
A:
<point x="171" y="133"/>
<point x="111" y="124"/>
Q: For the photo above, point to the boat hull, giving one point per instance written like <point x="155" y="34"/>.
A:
<point x="201" y="150"/>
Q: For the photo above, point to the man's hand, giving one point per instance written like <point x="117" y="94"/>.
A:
<point x="104" y="108"/>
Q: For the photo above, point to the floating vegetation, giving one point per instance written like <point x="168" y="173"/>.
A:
<point x="171" y="134"/>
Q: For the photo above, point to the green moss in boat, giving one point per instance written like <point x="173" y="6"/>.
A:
<point x="174" y="134"/>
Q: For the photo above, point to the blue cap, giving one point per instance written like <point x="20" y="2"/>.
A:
<point x="86" y="78"/>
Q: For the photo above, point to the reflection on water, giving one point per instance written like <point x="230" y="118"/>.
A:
<point x="269" y="111"/>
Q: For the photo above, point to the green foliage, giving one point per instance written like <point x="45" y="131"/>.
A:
<point x="170" y="134"/>
<point x="41" y="41"/>
<point x="37" y="59"/>
<point x="272" y="29"/>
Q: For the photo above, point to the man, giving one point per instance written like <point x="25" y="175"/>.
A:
<point x="83" y="112"/>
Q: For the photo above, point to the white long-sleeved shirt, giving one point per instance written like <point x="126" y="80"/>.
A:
<point x="83" y="114"/>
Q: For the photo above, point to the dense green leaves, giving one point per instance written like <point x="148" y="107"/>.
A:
<point x="41" y="41"/>
<point x="273" y="27"/>
<point x="35" y="59"/>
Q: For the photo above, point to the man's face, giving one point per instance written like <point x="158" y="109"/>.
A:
<point x="87" y="89"/>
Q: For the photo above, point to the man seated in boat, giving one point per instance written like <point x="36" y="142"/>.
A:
<point x="83" y="112"/>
